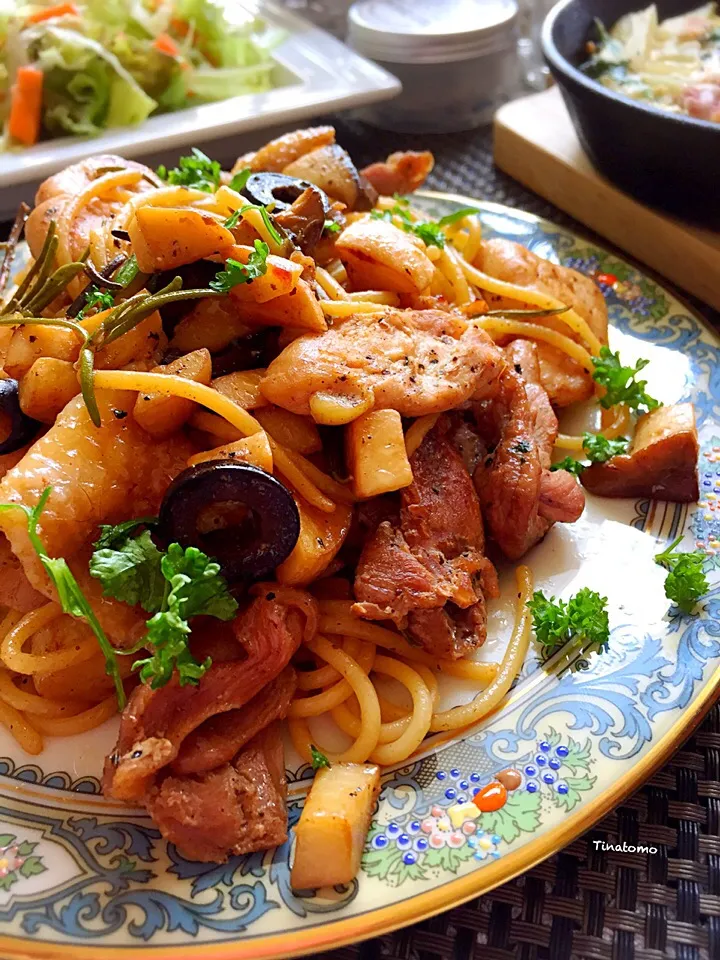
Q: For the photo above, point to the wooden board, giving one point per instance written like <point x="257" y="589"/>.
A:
<point x="536" y="143"/>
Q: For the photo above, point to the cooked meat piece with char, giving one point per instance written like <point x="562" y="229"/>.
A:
<point x="563" y="378"/>
<point x="428" y="574"/>
<point x="415" y="361"/>
<point x="236" y="808"/>
<point x="402" y="172"/>
<point x="156" y="723"/>
<point x="520" y="497"/>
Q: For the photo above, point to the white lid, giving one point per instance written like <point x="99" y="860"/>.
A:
<point x="430" y="31"/>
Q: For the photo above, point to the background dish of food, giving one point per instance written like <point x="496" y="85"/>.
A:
<point x="673" y="64"/>
<point x="312" y="72"/>
<point x="665" y="159"/>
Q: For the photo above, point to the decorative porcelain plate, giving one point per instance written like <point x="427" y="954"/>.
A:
<point x="81" y="877"/>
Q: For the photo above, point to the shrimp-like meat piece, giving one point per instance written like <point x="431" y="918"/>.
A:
<point x="284" y="150"/>
<point x="520" y="497"/>
<point x="55" y="192"/>
<point x="402" y="172"/>
<point x="563" y="378"/>
<point x="414" y="361"/>
<point x="97" y="475"/>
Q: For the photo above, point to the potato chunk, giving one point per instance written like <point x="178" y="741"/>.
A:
<point x="242" y="387"/>
<point x="331" y="832"/>
<point x="379" y="256"/>
<point x="321" y="536"/>
<point x="254" y="449"/>
<point x="165" y="237"/>
<point x="660" y="463"/>
<point x="376" y="454"/>
<point x="47" y="387"/>
<point x="160" y="414"/>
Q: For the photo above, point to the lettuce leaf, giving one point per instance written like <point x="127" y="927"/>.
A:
<point x="86" y="88"/>
<point x="225" y="31"/>
<point x="209" y="84"/>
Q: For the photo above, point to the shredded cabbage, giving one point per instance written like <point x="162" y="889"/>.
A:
<point x="122" y="60"/>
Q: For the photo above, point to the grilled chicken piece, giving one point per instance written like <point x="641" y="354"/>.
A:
<point x="237" y="808"/>
<point x="562" y="377"/>
<point x="428" y="574"/>
<point x="661" y="462"/>
<point x="415" y="361"/>
<point x="519" y="496"/>
<point x="378" y="254"/>
<point x="402" y="172"/>
<point x="55" y="192"/>
<point x="284" y="150"/>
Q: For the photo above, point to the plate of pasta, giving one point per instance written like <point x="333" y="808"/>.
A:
<point x="359" y="549"/>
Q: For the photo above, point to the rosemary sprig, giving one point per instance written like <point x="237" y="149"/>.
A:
<point x="37" y="274"/>
<point x="54" y="286"/>
<point x="11" y="245"/>
<point x="535" y="312"/>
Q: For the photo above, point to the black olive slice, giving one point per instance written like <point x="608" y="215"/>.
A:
<point x="236" y="513"/>
<point x="280" y="190"/>
<point x="22" y="428"/>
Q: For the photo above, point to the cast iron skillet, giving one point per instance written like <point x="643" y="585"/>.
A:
<point x="667" y="160"/>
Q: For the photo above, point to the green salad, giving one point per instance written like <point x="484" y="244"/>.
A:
<point x="81" y="67"/>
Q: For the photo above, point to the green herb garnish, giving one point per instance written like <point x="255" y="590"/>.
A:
<point x="72" y="599"/>
<point x="429" y="232"/>
<point x="686" y="581"/>
<point x="96" y="299"/>
<point x="583" y="617"/>
<point x="598" y="449"/>
<point x="269" y="225"/>
<point x="236" y="273"/>
<point x="460" y="214"/>
<point x="232" y="220"/>
<point x="239" y="179"/>
<point x="174" y="586"/>
<point x="621" y="383"/>
<point x="318" y="759"/>
<point x="330" y="226"/>
<point x="197" y="171"/>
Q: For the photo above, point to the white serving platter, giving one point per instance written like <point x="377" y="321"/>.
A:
<point x="315" y="73"/>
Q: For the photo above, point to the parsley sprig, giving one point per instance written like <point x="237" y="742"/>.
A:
<point x="174" y="586"/>
<point x="598" y="449"/>
<point x="621" y="383"/>
<point x="430" y="233"/>
<point x="236" y="273"/>
<point x="72" y="600"/>
<point x="583" y="617"/>
<point x="318" y="759"/>
<point x="96" y="299"/>
<point x="197" y="171"/>
<point x="686" y="581"/>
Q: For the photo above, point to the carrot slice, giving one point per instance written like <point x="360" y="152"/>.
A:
<point x="26" y="105"/>
<point x="165" y="44"/>
<point x="59" y="10"/>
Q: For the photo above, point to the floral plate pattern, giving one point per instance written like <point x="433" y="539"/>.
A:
<point x="84" y="877"/>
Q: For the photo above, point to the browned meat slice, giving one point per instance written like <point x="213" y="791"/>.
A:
<point x="661" y="461"/>
<point x="414" y="361"/>
<point x="402" y="172"/>
<point x="563" y="378"/>
<point x="155" y="723"/>
<point x="277" y="154"/>
<point x="219" y="739"/>
<point x="429" y="574"/>
<point x="236" y="808"/>
<point x="518" y="494"/>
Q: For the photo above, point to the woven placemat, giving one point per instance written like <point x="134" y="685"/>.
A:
<point x="584" y="903"/>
